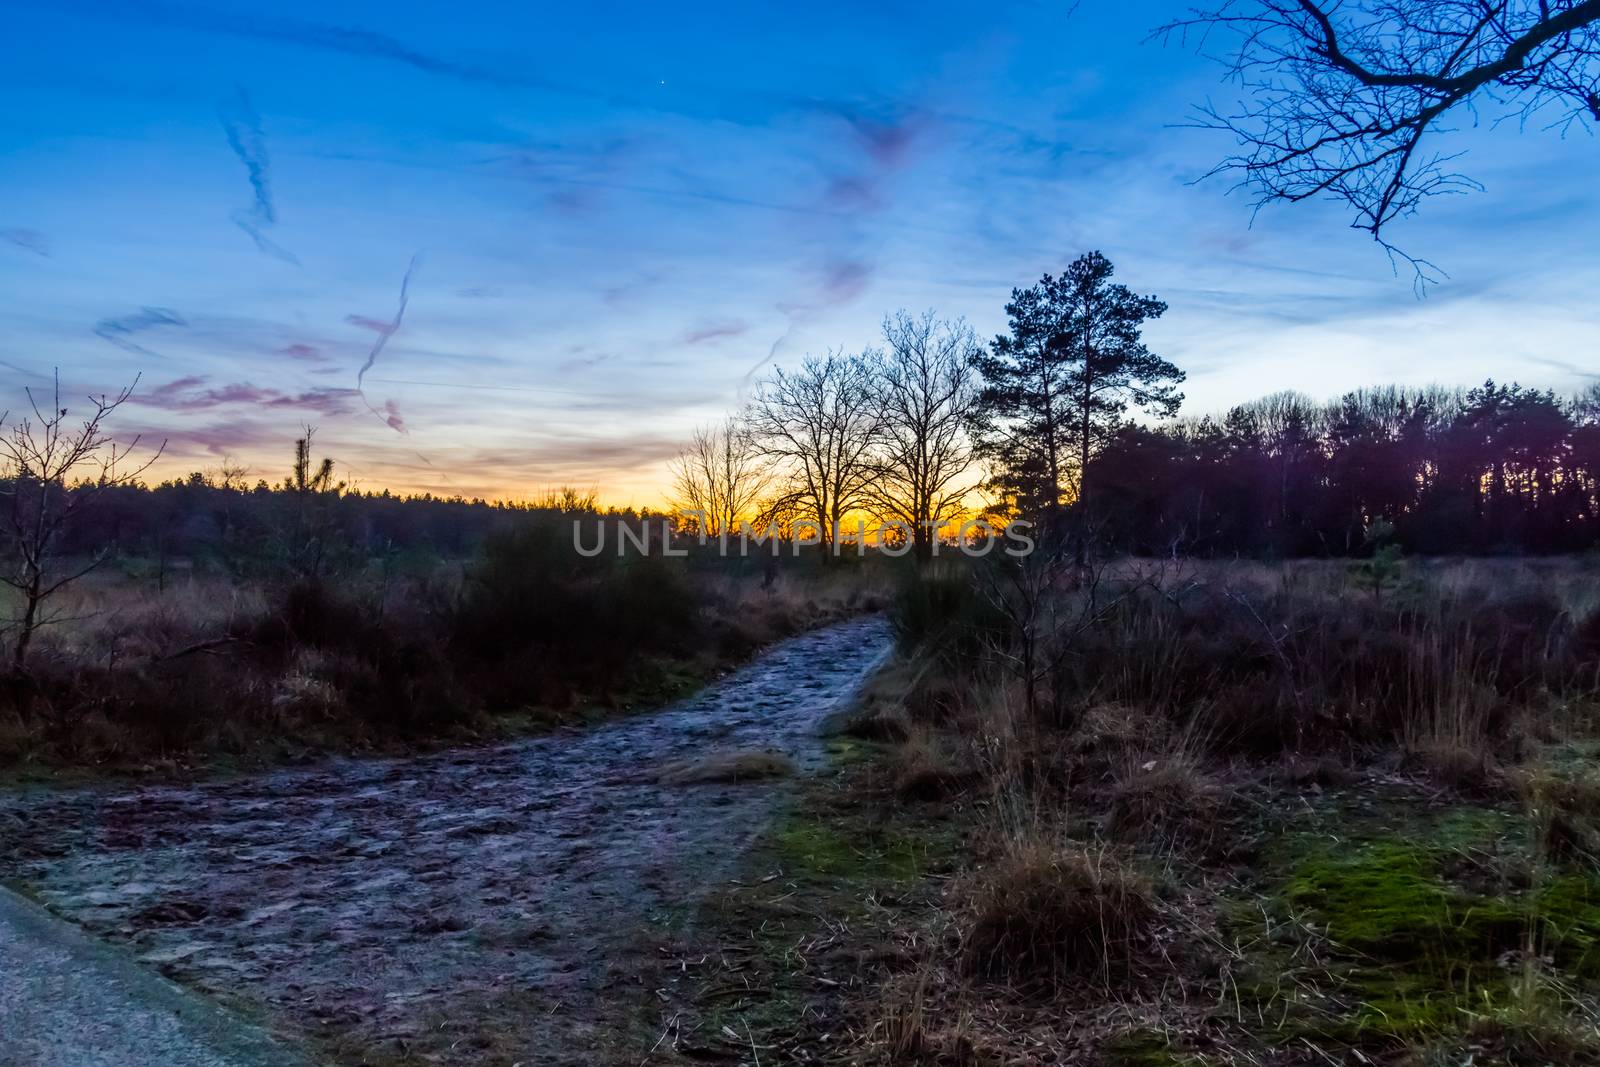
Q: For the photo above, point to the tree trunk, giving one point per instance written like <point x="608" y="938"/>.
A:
<point x="1081" y="554"/>
<point x="30" y="621"/>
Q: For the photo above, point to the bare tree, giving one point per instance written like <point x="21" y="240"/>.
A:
<point x="1338" y="97"/>
<point x="821" y="424"/>
<point x="926" y="392"/>
<point x="52" y="469"/>
<point x="719" y="476"/>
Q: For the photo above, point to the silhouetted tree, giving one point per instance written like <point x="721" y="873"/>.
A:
<point x="1058" y="387"/>
<point x="1499" y="468"/>
<point x="718" y="477"/>
<point x="820" y="424"/>
<point x="925" y="392"/>
<point x="312" y="524"/>
<point x="52" y="470"/>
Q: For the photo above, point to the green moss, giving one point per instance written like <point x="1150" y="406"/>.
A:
<point x="1146" y="1048"/>
<point x="1419" y="921"/>
<point x="1567" y="911"/>
<point x="847" y="752"/>
<point x="843" y="852"/>
<point x="1385" y="899"/>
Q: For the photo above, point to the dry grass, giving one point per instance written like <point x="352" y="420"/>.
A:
<point x="1240" y="729"/>
<point x="1171" y="800"/>
<point x="726" y="767"/>
<point x="1565" y="810"/>
<point x="908" y="1032"/>
<point x="925" y="769"/>
<point x="1044" y="915"/>
<point x="207" y="666"/>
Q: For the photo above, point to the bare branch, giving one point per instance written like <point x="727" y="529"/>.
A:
<point x="1343" y="100"/>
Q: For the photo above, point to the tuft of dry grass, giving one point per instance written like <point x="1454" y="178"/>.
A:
<point x="1172" y="800"/>
<point x="1565" y="811"/>
<point x="724" y="767"/>
<point x="925" y="770"/>
<point x="1044" y="915"/>
<point x="1457" y="765"/>
<point x="910" y="1031"/>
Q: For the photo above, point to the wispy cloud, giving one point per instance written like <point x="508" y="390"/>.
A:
<point x="345" y="40"/>
<point x="121" y="331"/>
<point x="29" y="240"/>
<point x="304" y="352"/>
<point x="716" y="330"/>
<point x="242" y="125"/>
<point x="191" y="393"/>
<point x="385" y="330"/>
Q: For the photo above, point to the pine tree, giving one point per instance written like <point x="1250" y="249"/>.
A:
<point x="1058" y="387"/>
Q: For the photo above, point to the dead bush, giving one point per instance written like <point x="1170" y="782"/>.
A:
<point x="1462" y="767"/>
<point x="924" y="769"/>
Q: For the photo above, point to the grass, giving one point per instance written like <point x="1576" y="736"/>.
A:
<point x="1045" y="915"/>
<point x="211" y="670"/>
<point x="1255" y="814"/>
<point x="726" y="767"/>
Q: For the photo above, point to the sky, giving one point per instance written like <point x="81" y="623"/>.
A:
<point x="489" y="249"/>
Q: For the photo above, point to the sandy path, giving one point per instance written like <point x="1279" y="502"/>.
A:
<point x="462" y="907"/>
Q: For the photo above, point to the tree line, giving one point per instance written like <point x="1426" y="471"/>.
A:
<point x="929" y="425"/>
<point x="925" y="427"/>
<point x="1495" y="469"/>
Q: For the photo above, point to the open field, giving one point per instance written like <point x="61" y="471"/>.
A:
<point x="1264" y="814"/>
<point x="211" y="669"/>
<point x="1144" y="813"/>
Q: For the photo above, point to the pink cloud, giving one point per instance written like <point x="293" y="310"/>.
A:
<point x="712" y="331"/>
<point x="375" y="325"/>
<point x="391" y="415"/>
<point x="844" y="279"/>
<point x="189" y="394"/>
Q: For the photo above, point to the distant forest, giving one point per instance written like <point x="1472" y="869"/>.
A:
<point x="233" y="525"/>
<point x="1494" y="470"/>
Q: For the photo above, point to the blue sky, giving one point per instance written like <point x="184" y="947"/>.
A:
<point x="615" y="215"/>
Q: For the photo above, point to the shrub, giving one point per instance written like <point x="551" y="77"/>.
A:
<point x="939" y="610"/>
<point x="536" y="619"/>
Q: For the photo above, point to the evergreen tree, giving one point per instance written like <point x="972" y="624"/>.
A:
<point x="1056" y="389"/>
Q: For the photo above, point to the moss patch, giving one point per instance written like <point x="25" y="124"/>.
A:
<point x="1426" y="917"/>
<point x="804" y="845"/>
<point x="1385" y="899"/>
<point x="1147" y="1048"/>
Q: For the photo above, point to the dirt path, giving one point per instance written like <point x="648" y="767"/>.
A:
<point x="67" y="1000"/>
<point x="465" y="907"/>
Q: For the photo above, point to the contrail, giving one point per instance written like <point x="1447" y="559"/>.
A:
<point x="1568" y="368"/>
<point x="32" y="240"/>
<point x="385" y="330"/>
<point x="772" y="354"/>
<point x="120" y="331"/>
<point x="249" y="143"/>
